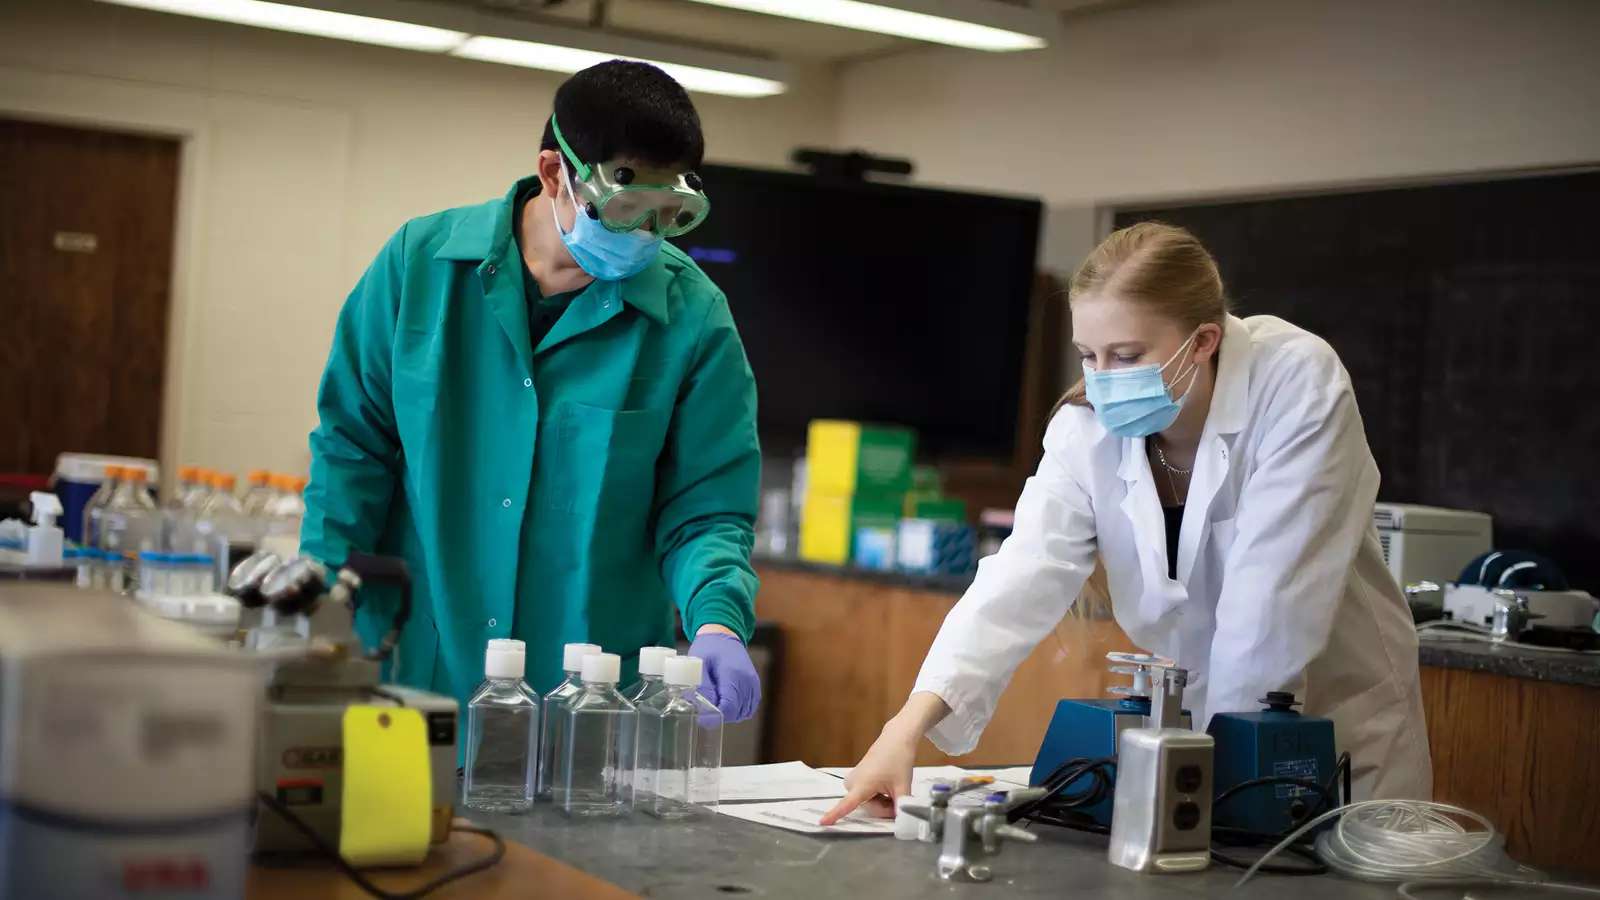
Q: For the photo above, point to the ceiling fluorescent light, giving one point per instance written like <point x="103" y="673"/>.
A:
<point x="555" y="58"/>
<point x="974" y="24"/>
<point x="472" y="34"/>
<point x="319" y="22"/>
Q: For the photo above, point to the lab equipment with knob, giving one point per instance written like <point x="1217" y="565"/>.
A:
<point x="1276" y="742"/>
<point x="335" y="744"/>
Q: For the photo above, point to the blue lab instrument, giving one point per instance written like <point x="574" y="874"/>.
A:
<point x="1277" y="742"/>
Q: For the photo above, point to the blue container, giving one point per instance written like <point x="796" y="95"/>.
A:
<point x="79" y="475"/>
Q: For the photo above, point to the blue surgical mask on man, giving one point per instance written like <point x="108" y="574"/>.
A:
<point x="603" y="253"/>
<point x="1136" y="402"/>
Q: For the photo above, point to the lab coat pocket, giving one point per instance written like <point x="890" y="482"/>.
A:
<point x="608" y="460"/>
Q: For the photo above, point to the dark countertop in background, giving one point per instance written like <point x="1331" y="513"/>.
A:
<point x="1516" y="662"/>
<point x="943" y="584"/>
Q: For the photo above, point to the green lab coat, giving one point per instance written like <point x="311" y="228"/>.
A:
<point x="567" y="492"/>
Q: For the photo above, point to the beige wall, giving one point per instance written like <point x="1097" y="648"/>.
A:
<point x="1196" y="98"/>
<point x="301" y="156"/>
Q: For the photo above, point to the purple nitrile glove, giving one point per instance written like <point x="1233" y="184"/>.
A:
<point x="730" y="681"/>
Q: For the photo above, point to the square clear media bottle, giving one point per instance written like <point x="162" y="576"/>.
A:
<point x="572" y="664"/>
<point x="680" y="746"/>
<point x="650" y="674"/>
<point x="595" y="761"/>
<point x="502" y="734"/>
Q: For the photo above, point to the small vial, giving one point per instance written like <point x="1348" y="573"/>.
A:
<point x="83" y="565"/>
<point x="680" y="746"/>
<point x="502" y="734"/>
<point x="204" y="573"/>
<point x="594" y="762"/>
<point x="572" y="663"/>
<point x="153" y="579"/>
<point x="650" y="671"/>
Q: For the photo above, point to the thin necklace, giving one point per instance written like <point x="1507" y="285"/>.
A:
<point x="1171" y="470"/>
<point x="1162" y="458"/>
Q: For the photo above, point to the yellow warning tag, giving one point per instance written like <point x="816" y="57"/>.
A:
<point x="388" y="787"/>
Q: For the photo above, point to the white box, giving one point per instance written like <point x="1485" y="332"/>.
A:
<point x="1429" y="543"/>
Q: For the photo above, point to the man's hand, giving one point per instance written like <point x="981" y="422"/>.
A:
<point x="730" y="679"/>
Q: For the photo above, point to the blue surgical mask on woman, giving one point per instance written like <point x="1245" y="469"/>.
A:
<point x="1136" y="402"/>
<point x="603" y="253"/>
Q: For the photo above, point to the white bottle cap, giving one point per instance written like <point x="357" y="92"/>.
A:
<point x="603" y="668"/>
<point x="504" y="659"/>
<point x="572" y="656"/>
<point x="683" y="671"/>
<point x="651" y="658"/>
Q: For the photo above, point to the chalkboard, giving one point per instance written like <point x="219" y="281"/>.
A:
<point x="1468" y="316"/>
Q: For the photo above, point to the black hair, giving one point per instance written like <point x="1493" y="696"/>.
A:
<point x="633" y="109"/>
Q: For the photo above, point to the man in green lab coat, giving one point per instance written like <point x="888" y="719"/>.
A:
<point x="547" y="411"/>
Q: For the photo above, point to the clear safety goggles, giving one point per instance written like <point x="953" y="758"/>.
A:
<point x="609" y="195"/>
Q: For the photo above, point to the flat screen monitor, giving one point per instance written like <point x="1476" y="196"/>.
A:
<point x="875" y="302"/>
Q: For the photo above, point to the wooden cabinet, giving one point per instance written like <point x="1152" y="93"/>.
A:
<point x="851" y="651"/>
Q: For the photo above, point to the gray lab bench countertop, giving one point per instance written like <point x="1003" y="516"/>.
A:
<point x="1516" y="662"/>
<point x="726" y="857"/>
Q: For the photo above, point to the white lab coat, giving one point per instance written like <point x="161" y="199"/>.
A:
<point x="1281" y="582"/>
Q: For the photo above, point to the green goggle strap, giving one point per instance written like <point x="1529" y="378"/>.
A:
<point x="579" y="167"/>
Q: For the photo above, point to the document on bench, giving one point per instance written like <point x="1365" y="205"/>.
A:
<point x="923" y="777"/>
<point x="776" y="781"/>
<point x="802" y="816"/>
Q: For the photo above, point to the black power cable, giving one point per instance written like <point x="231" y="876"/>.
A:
<point x="1329" y="801"/>
<point x="1063" y="777"/>
<point x="361" y="880"/>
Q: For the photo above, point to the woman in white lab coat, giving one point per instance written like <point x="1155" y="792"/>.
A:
<point x="1219" y="468"/>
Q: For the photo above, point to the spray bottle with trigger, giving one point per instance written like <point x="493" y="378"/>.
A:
<point x="45" y="538"/>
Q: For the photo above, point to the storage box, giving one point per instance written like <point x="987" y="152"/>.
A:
<point x="830" y="523"/>
<point x="847" y="458"/>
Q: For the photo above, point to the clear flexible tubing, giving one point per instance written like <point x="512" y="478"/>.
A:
<point x="1410" y="841"/>
<point x="1405" y="891"/>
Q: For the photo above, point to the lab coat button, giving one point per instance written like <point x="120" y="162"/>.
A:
<point x="491" y="269"/>
<point x="491" y="623"/>
<point x="606" y="305"/>
<point x="527" y="382"/>
<point x="506" y="503"/>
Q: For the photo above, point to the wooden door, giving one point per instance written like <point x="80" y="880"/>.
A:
<point x="86" y="236"/>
